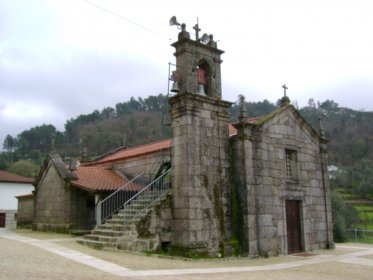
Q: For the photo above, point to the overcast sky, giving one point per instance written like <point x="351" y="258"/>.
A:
<point x="60" y="59"/>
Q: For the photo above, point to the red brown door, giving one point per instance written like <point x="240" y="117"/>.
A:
<point x="293" y="226"/>
<point x="2" y="219"/>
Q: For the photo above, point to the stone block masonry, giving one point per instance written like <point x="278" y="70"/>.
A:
<point x="200" y="171"/>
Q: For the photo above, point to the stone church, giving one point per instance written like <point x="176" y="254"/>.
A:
<point x="255" y="187"/>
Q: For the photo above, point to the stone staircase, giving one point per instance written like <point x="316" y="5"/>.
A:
<point x="120" y="231"/>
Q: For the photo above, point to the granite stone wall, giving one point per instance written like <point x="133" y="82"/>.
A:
<point x="265" y="146"/>
<point x="60" y="207"/>
<point x="25" y="211"/>
<point x="52" y="203"/>
<point x="82" y="209"/>
<point x="199" y="173"/>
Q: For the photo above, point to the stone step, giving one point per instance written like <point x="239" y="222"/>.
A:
<point x="117" y="216"/>
<point x="127" y="233"/>
<point x="128" y="211"/>
<point x="106" y="232"/>
<point x="114" y="227"/>
<point x="124" y="214"/>
<point x="132" y="209"/>
<point x="101" y="238"/>
<point x="144" y="199"/>
<point x="141" y="203"/>
<point x="119" y="232"/>
<point x="97" y="244"/>
<point x="117" y="227"/>
<point x="114" y="221"/>
<point x="105" y="226"/>
<point x="127" y="238"/>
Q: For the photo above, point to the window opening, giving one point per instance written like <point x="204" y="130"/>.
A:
<point x="291" y="160"/>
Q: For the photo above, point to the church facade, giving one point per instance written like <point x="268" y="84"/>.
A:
<point x="264" y="187"/>
<point x="256" y="187"/>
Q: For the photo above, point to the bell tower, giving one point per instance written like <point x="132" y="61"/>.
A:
<point x="199" y="153"/>
<point x="198" y="64"/>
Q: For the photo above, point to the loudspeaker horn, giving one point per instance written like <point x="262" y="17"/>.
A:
<point x="205" y="39"/>
<point x="173" y="21"/>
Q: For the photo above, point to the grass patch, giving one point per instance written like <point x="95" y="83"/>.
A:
<point x="346" y="194"/>
<point x="366" y="239"/>
<point x="365" y="213"/>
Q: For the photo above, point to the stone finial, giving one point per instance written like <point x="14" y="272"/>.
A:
<point x="183" y="34"/>
<point x="53" y="140"/>
<point x="84" y="154"/>
<point x="321" y="129"/>
<point x="211" y="42"/>
<point x="73" y="165"/>
<point x="242" y="115"/>
<point x="124" y="140"/>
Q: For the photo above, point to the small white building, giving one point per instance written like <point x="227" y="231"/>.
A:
<point x="12" y="185"/>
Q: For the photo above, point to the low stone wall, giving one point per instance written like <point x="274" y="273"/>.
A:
<point x="153" y="232"/>
<point x="25" y="214"/>
<point x="10" y="218"/>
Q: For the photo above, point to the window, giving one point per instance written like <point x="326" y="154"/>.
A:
<point x="291" y="161"/>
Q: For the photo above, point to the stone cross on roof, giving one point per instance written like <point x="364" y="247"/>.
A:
<point x="197" y="29"/>
<point x="285" y="88"/>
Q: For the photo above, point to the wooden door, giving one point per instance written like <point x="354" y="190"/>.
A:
<point x="293" y="226"/>
<point x="2" y="219"/>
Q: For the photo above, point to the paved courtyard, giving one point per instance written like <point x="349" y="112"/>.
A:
<point x="32" y="255"/>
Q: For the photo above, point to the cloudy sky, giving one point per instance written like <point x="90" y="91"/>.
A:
<point x="59" y="59"/>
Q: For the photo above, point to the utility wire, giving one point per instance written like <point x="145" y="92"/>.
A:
<point x="126" y="19"/>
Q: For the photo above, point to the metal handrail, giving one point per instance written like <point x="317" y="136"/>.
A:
<point x="111" y="204"/>
<point x="154" y="191"/>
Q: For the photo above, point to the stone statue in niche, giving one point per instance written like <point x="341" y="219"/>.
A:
<point x="202" y="81"/>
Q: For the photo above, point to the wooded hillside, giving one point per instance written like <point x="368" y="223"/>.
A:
<point x="141" y="121"/>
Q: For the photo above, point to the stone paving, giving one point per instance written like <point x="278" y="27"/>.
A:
<point x="23" y="257"/>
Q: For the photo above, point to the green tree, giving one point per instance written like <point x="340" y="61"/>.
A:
<point x="344" y="216"/>
<point x="108" y="113"/>
<point x="24" y="168"/>
<point x="10" y="143"/>
<point x="329" y="105"/>
<point x="3" y="164"/>
<point x="38" y="137"/>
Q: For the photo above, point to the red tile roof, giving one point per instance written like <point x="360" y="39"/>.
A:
<point x="135" y="151"/>
<point x="31" y="195"/>
<point x="14" y="178"/>
<point x="100" y="179"/>
<point x="233" y="130"/>
<point x="253" y="120"/>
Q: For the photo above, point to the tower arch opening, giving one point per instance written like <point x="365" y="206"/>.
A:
<point x="203" y="78"/>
